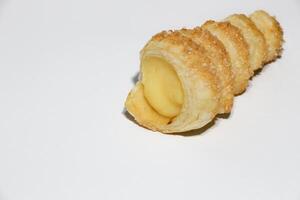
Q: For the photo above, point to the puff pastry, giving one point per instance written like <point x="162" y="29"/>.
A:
<point x="237" y="49"/>
<point x="216" y="52"/>
<point x="254" y="38"/>
<point x="189" y="76"/>
<point x="272" y="32"/>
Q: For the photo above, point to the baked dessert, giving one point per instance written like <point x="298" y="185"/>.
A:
<point x="189" y="76"/>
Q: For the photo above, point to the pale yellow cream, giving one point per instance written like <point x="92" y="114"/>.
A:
<point x="162" y="87"/>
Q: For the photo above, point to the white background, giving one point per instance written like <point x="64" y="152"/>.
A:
<point x="66" y="67"/>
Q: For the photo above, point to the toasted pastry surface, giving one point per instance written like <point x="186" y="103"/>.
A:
<point x="237" y="48"/>
<point x="201" y="97"/>
<point x="272" y="32"/>
<point x="254" y="38"/>
<point x="215" y="50"/>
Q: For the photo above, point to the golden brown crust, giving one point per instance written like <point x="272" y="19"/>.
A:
<point x="237" y="49"/>
<point x="254" y="38"/>
<point x="192" y="54"/>
<point x="212" y="63"/>
<point x="272" y="32"/>
<point x="215" y="50"/>
<point x="199" y="83"/>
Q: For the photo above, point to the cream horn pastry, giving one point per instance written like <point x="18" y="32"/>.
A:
<point x="189" y="76"/>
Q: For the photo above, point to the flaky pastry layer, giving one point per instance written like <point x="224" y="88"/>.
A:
<point x="213" y="63"/>
<point x="199" y="84"/>
<point x="221" y="65"/>
<point x="272" y="32"/>
<point x="254" y="38"/>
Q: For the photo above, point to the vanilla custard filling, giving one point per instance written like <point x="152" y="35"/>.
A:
<point x="162" y="87"/>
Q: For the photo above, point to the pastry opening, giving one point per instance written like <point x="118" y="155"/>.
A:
<point x="162" y="87"/>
